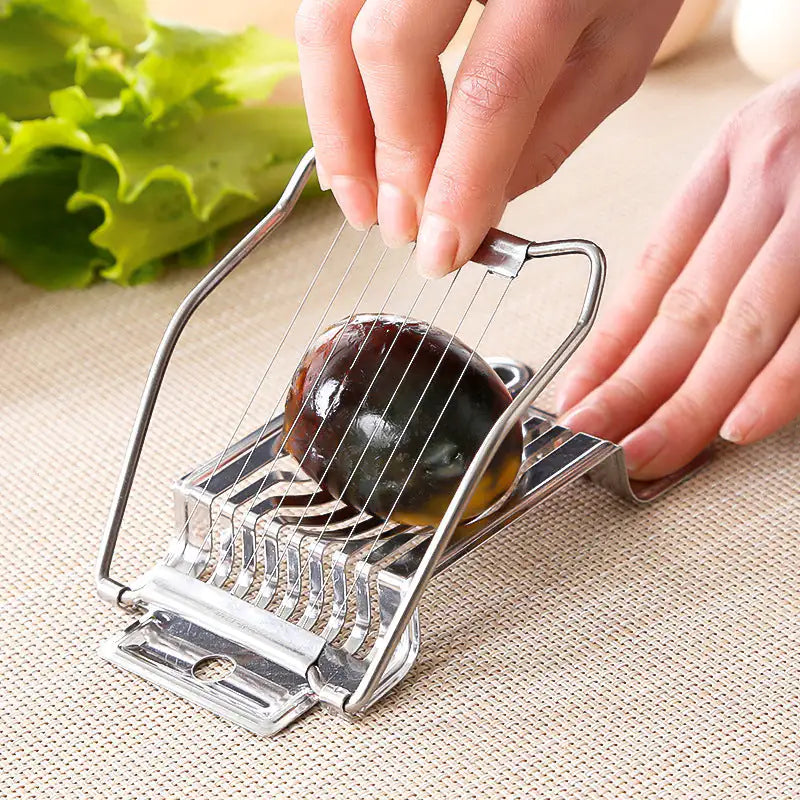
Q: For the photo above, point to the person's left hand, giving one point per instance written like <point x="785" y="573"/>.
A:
<point x="705" y="336"/>
<point x="537" y="78"/>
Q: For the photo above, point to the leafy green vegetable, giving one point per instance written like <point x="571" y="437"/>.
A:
<point x="127" y="144"/>
<point x="182" y="64"/>
<point x="36" y="37"/>
<point x="46" y="245"/>
<point x="199" y="176"/>
<point x="33" y="64"/>
<point x="120" y="23"/>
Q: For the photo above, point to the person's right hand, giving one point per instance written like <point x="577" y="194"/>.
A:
<point x="537" y="78"/>
<point x="704" y="336"/>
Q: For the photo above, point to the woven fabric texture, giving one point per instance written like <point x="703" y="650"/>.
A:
<point x="591" y="650"/>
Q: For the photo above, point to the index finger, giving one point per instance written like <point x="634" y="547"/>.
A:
<point x="336" y="105"/>
<point x="515" y="55"/>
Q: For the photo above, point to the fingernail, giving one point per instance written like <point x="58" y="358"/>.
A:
<point x="739" y="424"/>
<point x="397" y="215"/>
<point x="571" y="391"/>
<point x="643" y="445"/>
<point x="589" y="419"/>
<point x="437" y="246"/>
<point x="322" y="178"/>
<point x="356" y="198"/>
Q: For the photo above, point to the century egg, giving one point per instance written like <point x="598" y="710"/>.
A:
<point x="362" y="404"/>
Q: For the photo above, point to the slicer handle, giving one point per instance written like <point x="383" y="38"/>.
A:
<point x="505" y="251"/>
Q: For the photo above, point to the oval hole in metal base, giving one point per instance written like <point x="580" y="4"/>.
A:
<point x="211" y="669"/>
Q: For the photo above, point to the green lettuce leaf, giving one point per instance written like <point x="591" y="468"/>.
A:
<point x="119" y="23"/>
<point x="142" y="234"/>
<point x="224" y="152"/>
<point x="33" y="62"/>
<point x="120" y="156"/>
<point x="103" y="73"/>
<point x="36" y="42"/>
<point x="47" y="245"/>
<point x="181" y="64"/>
<point x="159" y="190"/>
<point x="188" y="181"/>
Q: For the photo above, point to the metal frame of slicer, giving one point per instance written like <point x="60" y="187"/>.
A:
<point x="287" y="653"/>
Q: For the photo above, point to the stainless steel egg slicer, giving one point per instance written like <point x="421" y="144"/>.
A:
<point x="275" y="596"/>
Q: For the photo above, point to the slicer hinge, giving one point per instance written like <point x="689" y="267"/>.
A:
<point x="331" y="698"/>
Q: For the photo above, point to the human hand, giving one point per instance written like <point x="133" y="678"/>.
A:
<point x="704" y="338"/>
<point x="537" y="78"/>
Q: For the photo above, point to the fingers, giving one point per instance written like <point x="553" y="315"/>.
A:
<point x="759" y="315"/>
<point x="716" y="347"/>
<point x="377" y="108"/>
<point x="515" y="56"/>
<point x="773" y="399"/>
<point x="685" y="320"/>
<point x="338" y="114"/>
<point x="397" y="47"/>
<point x="625" y="322"/>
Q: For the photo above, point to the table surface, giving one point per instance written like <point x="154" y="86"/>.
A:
<point x="591" y="650"/>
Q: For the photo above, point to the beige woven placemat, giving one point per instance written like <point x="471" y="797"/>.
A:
<point x="592" y="650"/>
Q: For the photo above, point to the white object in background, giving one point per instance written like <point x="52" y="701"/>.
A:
<point x="692" y="21"/>
<point x="766" y="34"/>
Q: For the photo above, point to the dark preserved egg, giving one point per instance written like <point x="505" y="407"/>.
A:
<point x="324" y="408"/>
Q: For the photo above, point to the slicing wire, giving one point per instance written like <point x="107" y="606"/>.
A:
<point x="274" y="512"/>
<point x="385" y="358"/>
<point x="181" y="533"/>
<point x="342" y="280"/>
<point x="237" y="585"/>
<point x="372" y="435"/>
<point x="386" y="522"/>
<point x="407" y="424"/>
<point x="438" y="309"/>
<point x="312" y="496"/>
